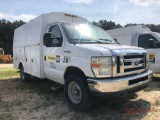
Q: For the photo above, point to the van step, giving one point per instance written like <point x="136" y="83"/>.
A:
<point x="56" y="86"/>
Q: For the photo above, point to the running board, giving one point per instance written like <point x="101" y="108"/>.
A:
<point x="56" y="86"/>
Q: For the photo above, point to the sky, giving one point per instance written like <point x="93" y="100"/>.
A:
<point x="118" y="11"/>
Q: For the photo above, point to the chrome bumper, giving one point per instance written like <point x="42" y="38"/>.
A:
<point x="120" y="83"/>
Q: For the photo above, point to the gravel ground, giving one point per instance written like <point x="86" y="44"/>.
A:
<point x="35" y="101"/>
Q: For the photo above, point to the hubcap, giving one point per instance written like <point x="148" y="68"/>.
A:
<point x="74" y="92"/>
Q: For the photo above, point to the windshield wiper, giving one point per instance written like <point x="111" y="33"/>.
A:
<point x="98" y="41"/>
<point x="80" y="39"/>
<point x="76" y="40"/>
<point x="86" y="40"/>
<point x="106" y="40"/>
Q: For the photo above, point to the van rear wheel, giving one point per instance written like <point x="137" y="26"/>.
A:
<point x="77" y="93"/>
<point x="24" y="76"/>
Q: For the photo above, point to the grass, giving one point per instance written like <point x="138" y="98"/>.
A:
<point x="8" y="72"/>
<point x="35" y="85"/>
<point x="40" y="86"/>
<point x="101" y="110"/>
<point x="4" y="110"/>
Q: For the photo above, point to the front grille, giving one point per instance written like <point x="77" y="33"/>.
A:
<point x="118" y="64"/>
<point x="133" y="56"/>
<point x="133" y="69"/>
<point x="131" y="82"/>
<point x="130" y="64"/>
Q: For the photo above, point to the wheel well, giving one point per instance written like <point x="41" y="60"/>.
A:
<point x="70" y="70"/>
<point x="20" y="65"/>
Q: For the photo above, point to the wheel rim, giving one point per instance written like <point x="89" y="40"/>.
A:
<point x="74" y="92"/>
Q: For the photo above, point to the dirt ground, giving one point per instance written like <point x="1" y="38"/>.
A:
<point x="35" y="100"/>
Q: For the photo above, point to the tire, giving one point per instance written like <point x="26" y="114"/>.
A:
<point x="24" y="76"/>
<point x="77" y="93"/>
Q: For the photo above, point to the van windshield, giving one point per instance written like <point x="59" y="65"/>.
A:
<point x="84" y="33"/>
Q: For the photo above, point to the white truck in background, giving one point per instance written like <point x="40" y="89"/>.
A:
<point x="140" y="36"/>
<point x="66" y="49"/>
<point x="1" y="51"/>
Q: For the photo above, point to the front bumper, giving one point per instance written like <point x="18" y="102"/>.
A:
<point x="120" y="84"/>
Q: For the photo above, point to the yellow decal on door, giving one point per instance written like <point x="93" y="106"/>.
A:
<point x="50" y="58"/>
<point x="152" y="55"/>
<point x="152" y="58"/>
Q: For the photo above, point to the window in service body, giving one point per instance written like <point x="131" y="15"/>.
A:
<point x="87" y="34"/>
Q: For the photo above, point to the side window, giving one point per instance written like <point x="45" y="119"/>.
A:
<point x="57" y="34"/>
<point x="143" y="41"/>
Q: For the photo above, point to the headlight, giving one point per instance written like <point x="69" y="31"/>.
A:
<point x="102" y="66"/>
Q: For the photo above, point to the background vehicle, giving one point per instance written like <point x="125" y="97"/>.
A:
<point x="1" y="51"/>
<point x="140" y="36"/>
<point x="5" y="58"/>
<point x="79" y="55"/>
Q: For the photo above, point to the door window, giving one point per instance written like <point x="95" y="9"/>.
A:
<point x="55" y="30"/>
<point x="143" y="41"/>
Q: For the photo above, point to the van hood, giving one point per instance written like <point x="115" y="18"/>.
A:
<point x="105" y="48"/>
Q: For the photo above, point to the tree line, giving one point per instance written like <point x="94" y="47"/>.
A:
<point x="107" y="25"/>
<point x="7" y="31"/>
<point x="6" y="34"/>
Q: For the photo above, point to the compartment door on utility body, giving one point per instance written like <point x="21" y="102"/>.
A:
<point x="53" y="55"/>
<point x="144" y="41"/>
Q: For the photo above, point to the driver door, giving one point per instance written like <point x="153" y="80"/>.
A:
<point x="153" y="50"/>
<point x="53" y="55"/>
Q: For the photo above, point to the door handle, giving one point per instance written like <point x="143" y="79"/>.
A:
<point x="44" y="58"/>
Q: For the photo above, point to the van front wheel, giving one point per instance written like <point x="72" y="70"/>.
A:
<point x="24" y="76"/>
<point x="77" y="93"/>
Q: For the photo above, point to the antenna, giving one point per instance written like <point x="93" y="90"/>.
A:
<point x="72" y="23"/>
<point x="71" y="12"/>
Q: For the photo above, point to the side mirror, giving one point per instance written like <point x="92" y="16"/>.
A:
<point x="47" y="39"/>
<point x="150" y="43"/>
<point x="51" y="41"/>
<point x="116" y="41"/>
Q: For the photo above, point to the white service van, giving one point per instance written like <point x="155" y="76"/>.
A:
<point x="68" y="50"/>
<point x="140" y="36"/>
